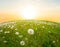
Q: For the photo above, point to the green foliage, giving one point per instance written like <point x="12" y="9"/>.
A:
<point x="29" y="34"/>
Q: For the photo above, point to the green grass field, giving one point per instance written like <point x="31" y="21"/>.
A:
<point x="29" y="34"/>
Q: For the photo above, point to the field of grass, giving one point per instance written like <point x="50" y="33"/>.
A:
<point x="29" y="34"/>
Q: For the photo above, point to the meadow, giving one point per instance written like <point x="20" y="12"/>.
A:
<point x="29" y="33"/>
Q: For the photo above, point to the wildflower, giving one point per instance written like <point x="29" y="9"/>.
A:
<point x="17" y="33"/>
<point x="30" y="31"/>
<point x="53" y="41"/>
<point x="22" y="43"/>
<point x="5" y="41"/>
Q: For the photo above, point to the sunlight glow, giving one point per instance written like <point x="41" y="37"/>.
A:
<point x="29" y="12"/>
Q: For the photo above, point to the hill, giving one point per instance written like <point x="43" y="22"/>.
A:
<point x="29" y="34"/>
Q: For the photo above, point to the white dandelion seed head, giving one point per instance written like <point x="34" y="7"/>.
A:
<point x="22" y="43"/>
<point x="30" y="31"/>
<point x="17" y="33"/>
<point x="5" y="41"/>
<point x="53" y="41"/>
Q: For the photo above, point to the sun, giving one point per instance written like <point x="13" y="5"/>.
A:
<point x="29" y="12"/>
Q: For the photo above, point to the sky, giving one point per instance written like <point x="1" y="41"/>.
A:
<point x="47" y="9"/>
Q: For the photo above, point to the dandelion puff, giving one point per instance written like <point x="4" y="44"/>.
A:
<point x="17" y="33"/>
<point x="31" y="31"/>
<point x="5" y="41"/>
<point x="53" y="41"/>
<point x="22" y="43"/>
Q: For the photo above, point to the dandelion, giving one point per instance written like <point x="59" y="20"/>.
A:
<point x="5" y="41"/>
<point x="22" y="43"/>
<point x="53" y="41"/>
<point x="17" y="33"/>
<point x="31" y="31"/>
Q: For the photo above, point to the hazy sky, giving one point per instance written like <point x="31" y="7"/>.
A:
<point x="50" y="5"/>
<point x="45" y="7"/>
